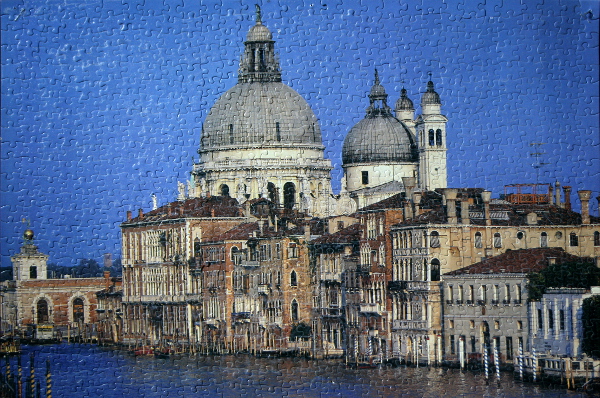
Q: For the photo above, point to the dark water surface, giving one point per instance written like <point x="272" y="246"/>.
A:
<point x="91" y="371"/>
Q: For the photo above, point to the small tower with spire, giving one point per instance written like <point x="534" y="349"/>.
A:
<point x="431" y="133"/>
<point x="405" y="110"/>
<point x="29" y="263"/>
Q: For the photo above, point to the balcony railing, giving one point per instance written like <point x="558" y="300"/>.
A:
<point x="371" y="309"/>
<point x="263" y="289"/>
<point x="331" y="276"/>
<point x="400" y="324"/>
<point x="330" y="312"/>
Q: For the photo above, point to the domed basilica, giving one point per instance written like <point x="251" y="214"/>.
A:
<point x="261" y="139"/>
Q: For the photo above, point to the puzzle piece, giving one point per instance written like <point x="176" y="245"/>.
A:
<point x="384" y="186"/>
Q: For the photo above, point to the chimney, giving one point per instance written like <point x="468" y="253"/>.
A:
<point x="551" y="194"/>
<point x="307" y="232"/>
<point x="107" y="278"/>
<point x="486" y="196"/>
<point x="261" y="226"/>
<point x="532" y="218"/>
<point x="140" y="214"/>
<point x="212" y="212"/>
<point x="464" y="211"/>
<point x="450" y="194"/>
<point x="129" y="218"/>
<point x="408" y="214"/>
<point x="551" y="260"/>
<point x="409" y="184"/>
<point x="584" y="198"/>
<point x="567" y="190"/>
<point x="169" y="210"/>
<point x="417" y="200"/>
<point x="275" y="223"/>
<point x="181" y="210"/>
<point x="557" y="193"/>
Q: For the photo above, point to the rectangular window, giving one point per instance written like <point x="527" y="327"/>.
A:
<point x="518" y="294"/>
<point x="540" y="319"/>
<point x="33" y="272"/>
<point x="451" y="324"/>
<point x="473" y="344"/>
<point x="507" y="294"/>
<point x="574" y="239"/>
<point x="471" y="294"/>
<point x="452" y="345"/>
<point x="460" y="294"/>
<point x="519" y="325"/>
<point x="365" y="177"/>
<point x="561" y="315"/>
<point x="509" y="347"/>
<point x="550" y="319"/>
<point x="496" y="290"/>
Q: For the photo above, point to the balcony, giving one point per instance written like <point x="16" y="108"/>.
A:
<point x="263" y="289"/>
<point x="409" y="285"/>
<point x="330" y="312"/>
<point x="480" y="302"/>
<point x="399" y="324"/>
<point x="249" y="263"/>
<point x="331" y="276"/>
<point x="371" y="309"/>
<point x="396" y="285"/>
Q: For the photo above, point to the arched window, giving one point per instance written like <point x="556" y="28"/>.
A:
<point x="573" y="239"/>
<point x="231" y="134"/>
<point x="78" y="315"/>
<point x="497" y="240"/>
<point x="431" y="137"/>
<point x="272" y="191"/>
<point x="293" y="279"/>
<point x="289" y="195"/>
<point x="278" y="131"/>
<point x="478" y="241"/>
<point x="435" y="270"/>
<point x="438" y="137"/>
<point x="236" y="255"/>
<point x="294" y="311"/>
<point x="596" y="238"/>
<point x="544" y="240"/>
<point x="434" y="239"/>
<point x="224" y="190"/>
<point x="42" y="311"/>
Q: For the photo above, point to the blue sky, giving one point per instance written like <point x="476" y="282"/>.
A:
<point x="102" y="102"/>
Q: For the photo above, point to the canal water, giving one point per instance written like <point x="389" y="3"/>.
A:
<point x="92" y="371"/>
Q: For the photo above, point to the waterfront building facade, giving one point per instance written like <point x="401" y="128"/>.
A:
<point x="486" y="305"/>
<point x="454" y="228"/>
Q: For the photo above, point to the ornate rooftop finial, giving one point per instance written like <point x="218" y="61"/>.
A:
<point x="430" y="74"/>
<point x="258" y="14"/>
<point x="376" y="76"/>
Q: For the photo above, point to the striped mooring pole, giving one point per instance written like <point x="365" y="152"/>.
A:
<point x="486" y="364"/>
<point x="521" y="360"/>
<point x="534" y="364"/>
<point x="48" y="380"/>
<point x="32" y="375"/>
<point x="497" y="360"/>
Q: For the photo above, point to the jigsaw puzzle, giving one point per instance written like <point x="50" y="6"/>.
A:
<point x="304" y="199"/>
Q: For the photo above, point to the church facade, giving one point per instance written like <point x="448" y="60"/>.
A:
<point x="261" y="139"/>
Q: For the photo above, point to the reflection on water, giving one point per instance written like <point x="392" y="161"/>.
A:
<point x="83" y="370"/>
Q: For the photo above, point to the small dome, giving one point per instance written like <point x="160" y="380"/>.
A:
<point x="379" y="139"/>
<point x="430" y="97"/>
<point x="377" y="91"/>
<point x="259" y="32"/>
<point x="404" y="103"/>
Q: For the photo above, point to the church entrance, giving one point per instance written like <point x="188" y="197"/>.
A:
<point x="289" y="195"/>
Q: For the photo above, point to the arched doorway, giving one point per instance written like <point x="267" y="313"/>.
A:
<point x="78" y="313"/>
<point x="224" y="190"/>
<point x="289" y="195"/>
<point x="42" y="311"/>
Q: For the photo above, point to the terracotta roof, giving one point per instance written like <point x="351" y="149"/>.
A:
<point x="518" y="261"/>
<point x="214" y="206"/>
<point x="349" y="234"/>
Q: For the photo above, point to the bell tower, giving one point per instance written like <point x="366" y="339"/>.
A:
<point x="431" y="133"/>
<point x="29" y="263"/>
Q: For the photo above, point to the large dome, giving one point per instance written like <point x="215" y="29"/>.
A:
<point x="260" y="114"/>
<point x="379" y="139"/>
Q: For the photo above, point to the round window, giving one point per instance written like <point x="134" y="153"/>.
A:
<point x="558" y="235"/>
<point x="520" y="235"/>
